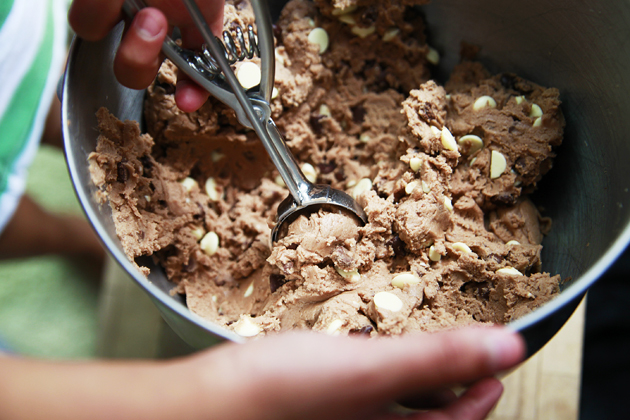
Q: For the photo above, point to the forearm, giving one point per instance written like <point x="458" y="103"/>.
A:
<point x="31" y="389"/>
<point x="33" y="231"/>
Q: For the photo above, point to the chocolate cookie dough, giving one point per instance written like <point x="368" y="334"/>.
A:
<point x="443" y="174"/>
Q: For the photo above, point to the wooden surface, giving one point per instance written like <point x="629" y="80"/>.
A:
<point x="546" y="387"/>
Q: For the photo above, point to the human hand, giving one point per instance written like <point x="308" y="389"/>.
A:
<point x="138" y="57"/>
<point x="311" y="376"/>
<point x="289" y="376"/>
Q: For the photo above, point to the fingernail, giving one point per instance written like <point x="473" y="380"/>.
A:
<point x="505" y="349"/>
<point x="147" y="26"/>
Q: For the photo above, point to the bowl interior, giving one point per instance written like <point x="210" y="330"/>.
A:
<point x="579" y="48"/>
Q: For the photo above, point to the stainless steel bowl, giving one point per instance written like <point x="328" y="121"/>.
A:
<point x="579" y="47"/>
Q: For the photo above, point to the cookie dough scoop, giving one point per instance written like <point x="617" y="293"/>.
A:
<point x="212" y="70"/>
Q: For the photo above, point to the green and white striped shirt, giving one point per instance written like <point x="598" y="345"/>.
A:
<point x="32" y="52"/>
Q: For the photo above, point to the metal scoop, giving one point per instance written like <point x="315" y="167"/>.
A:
<point x="253" y="110"/>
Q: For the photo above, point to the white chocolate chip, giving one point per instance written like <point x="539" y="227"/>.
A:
<point x="471" y="143"/>
<point x="325" y="111"/>
<point x="462" y="247"/>
<point x="472" y="161"/>
<point x="188" y="183"/>
<point x="148" y="198"/>
<point x="512" y="242"/>
<point x="311" y="22"/>
<point x="309" y="172"/>
<point x="510" y="271"/>
<point x="387" y="301"/>
<point x="519" y="99"/>
<point x="433" y="56"/>
<point x="351" y="183"/>
<point x="245" y="327"/>
<point x="344" y="10"/>
<point x="248" y="74"/>
<point x="497" y="164"/>
<point x="415" y="164"/>
<point x="535" y="111"/>
<point x="211" y="189"/>
<point x="210" y="243"/>
<point x="448" y="204"/>
<point x="198" y="233"/>
<point x="362" y="186"/>
<point x="333" y="327"/>
<point x="274" y="93"/>
<point x="448" y="141"/>
<point x="352" y="276"/>
<point x="347" y="19"/>
<point x="537" y="122"/>
<point x="390" y="34"/>
<point x="411" y="186"/>
<point x="365" y="138"/>
<point x="279" y="181"/>
<point x="433" y="254"/>
<point x="362" y="32"/>
<point x="484" y="102"/>
<point x="405" y="279"/>
<point x="319" y="36"/>
<point x="216" y="156"/>
<point x="436" y="131"/>
<point x="425" y="187"/>
<point x="250" y="290"/>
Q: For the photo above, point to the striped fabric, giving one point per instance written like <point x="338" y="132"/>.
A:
<point x="32" y="51"/>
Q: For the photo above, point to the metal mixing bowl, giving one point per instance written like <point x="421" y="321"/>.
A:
<point x="579" y="47"/>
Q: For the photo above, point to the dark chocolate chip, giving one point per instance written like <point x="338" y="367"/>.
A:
<point x="369" y="16"/>
<point x="316" y="124"/>
<point x="202" y="212"/>
<point x="495" y="257"/>
<point x="147" y="166"/>
<point x="122" y="172"/>
<point x="326" y="167"/>
<point x="168" y="88"/>
<point x="505" y="198"/>
<point x="342" y="259"/>
<point x="276" y="281"/>
<point x="277" y="32"/>
<point x="340" y="175"/>
<point x="366" y="330"/>
<point x="427" y="112"/>
<point x="477" y="289"/>
<point x="358" y="113"/>
<point x="191" y="266"/>
<point x="398" y="246"/>
<point x="249" y="155"/>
